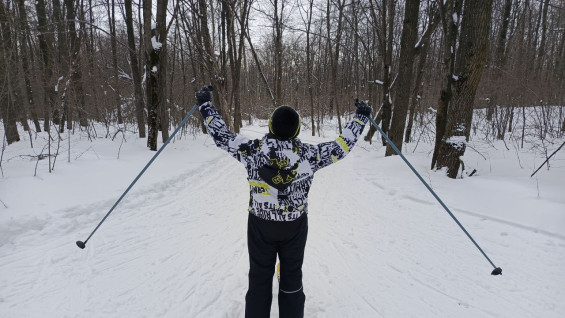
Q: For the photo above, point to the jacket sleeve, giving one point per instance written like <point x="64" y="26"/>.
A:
<point x="326" y="153"/>
<point x="223" y="137"/>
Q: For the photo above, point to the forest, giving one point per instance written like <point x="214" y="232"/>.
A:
<point x="424" y="65"/>
<point x="116" y="201"/>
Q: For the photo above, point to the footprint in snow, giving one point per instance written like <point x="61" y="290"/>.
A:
<point x="464" y="305"/>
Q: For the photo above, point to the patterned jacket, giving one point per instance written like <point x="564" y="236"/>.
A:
<point x="280" y="172"/>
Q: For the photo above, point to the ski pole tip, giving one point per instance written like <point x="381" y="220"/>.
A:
<point x="81" y="244"/>
<point x="497" y="271"/>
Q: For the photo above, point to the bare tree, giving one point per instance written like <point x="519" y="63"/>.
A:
<point x="278" y="41"/>
<point x="62" y="56"/>
<point x="260" y="70"/>
<point x="385" y="35"/>
<point x="236" y="46"/>
<point x="46" y="51"/>
<point x="471" y="59"/>
<point x="407" y="52"/>
<point x="421" y="51"/>
<point x="75" y="78"/>
<point x="499" y="64"/>
<point x="163" y="104"/>
<point x="8" y="110"/>
<point x="23" y="34"/>
<point x="211" y="71"/>
<point x="542" y="48"/>
<point x="155" y="70"/>
<point x="449" y="10"/>
<point x="136" y="76"/>
<point x="309" y="64"/>
<point x="342" y="49"/>
<point x="115" y="85"/>
<point x="14" y="49"/>
<point x="334" y="55"/>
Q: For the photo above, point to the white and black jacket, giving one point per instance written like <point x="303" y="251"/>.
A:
<point x="280" y="172"/>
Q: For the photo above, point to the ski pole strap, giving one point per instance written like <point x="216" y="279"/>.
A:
<point x="497" y="270"/>
<point x="145" y="168"/>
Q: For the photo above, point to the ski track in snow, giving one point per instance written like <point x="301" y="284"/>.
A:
<point x="177" y="248"/>
<point x="402" y="258"/>
<point x="160" y="247"/>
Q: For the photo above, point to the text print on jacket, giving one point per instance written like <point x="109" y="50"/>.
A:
<point x="280" y="172"/>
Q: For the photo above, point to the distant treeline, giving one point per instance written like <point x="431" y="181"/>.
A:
<point x="71" y="62"/>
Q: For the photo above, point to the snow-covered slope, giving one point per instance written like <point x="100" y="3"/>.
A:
<point x="379" y="245"/>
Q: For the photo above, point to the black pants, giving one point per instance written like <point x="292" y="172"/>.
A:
<point x="266" y="239"/>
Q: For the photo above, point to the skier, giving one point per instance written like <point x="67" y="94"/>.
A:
<point x="280" y="169"/>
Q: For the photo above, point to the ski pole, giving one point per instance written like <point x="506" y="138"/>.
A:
<point x="497" y="270"/>
<point x="82" y="244"/>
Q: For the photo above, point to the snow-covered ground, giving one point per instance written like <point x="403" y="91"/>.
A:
<point x="379" y="244"/>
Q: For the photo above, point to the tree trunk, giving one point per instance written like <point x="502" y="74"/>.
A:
<point x="416" y="92"/>
<point x="499" y="96"/>
<point x="138" y="91"/>
<point x="500" y="56"/>
<point x="560" y="65"/>
<point x="333" y="93"/>
<point x="46" y="50"/>
<point x="278" y="16"/>
<point x="448" y="10"/>
<point x="511" y="118"/>
<point x="407" y="52"/>
<point x="163" y="105"/>
<point x="210" y="61"/>
<point x="386" y="41"/>
<point x="62" y="57"/>
<point x="235" y="53"/>
<point x="8" y="111"/>
<point x="151" y="75"/>
<point x="541" y="51"/>
<point x="115" y="72"/>
<point x="471" y="59"/>
<point x="197" y="68"/>
<point x="76" y="71"/>
<point x="421" y="51"/>
<point x="309" y="67"/>
<point x="25" y="64"/>
<point x="14" y="56"/>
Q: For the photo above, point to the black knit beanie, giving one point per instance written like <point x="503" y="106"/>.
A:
<point x="284" y="123"/>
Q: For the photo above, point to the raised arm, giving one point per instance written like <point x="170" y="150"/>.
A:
<point x="326" y="153"/>
<point x="217" y="128"/>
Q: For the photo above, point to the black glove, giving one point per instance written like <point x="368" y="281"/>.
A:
<point x="362" y="107"/>
<point x="204" y="95"/>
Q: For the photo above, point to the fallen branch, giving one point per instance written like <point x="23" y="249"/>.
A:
<point x="546" y="160"/>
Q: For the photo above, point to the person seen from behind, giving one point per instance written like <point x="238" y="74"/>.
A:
<point x="280" y="169"/>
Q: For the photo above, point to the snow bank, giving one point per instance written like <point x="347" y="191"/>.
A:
<point x="379" y="245"/>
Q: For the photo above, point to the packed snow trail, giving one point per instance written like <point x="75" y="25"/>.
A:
<point x="379" y="246"/>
